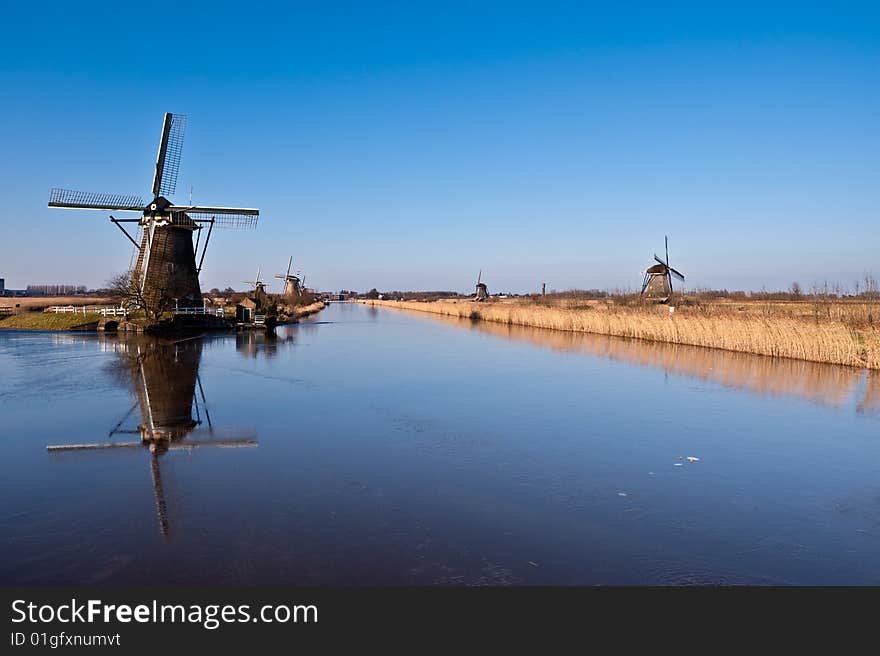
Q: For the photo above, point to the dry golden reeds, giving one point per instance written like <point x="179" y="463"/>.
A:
<point x="306" y="310"/>
<point x="803" y="335"/>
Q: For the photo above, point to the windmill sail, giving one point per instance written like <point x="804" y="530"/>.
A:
<point x="168" y="158"/>
<point x="87" y="200"/>
<point x="223" y="217"/>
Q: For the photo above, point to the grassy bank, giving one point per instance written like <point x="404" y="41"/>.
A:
<point x="48" y="321"/>
<point x="811" y="334"/>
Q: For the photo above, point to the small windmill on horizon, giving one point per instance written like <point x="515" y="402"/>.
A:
<point x="657" y="284"/>
<point x="257" y="283"/>
<point x="292" y="284"/>
<point x="482" y="292"/>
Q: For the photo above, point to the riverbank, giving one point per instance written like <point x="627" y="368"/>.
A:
<point x="50" y="321"/>
<point x="89" y="322"/>
<point x="306" y="310"/>
<point x="746" y="328"/>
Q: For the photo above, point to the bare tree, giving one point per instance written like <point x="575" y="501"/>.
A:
<point x="872" y="290"/>
<point x="157" y="302"/>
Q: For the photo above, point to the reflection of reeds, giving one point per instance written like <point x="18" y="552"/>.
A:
<point x="780" y="334"/>
<point x="871" y="399"/>
<point x="817" y="382"/>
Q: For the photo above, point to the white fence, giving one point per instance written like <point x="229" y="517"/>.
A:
<point x="104" y="311"/>
<point x="214" y="312"/>
<point x="110" y="311"/>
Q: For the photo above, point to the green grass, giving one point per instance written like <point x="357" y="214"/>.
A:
<point x="46" y="321"/>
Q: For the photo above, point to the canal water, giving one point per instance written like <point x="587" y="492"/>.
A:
<point x="378" y="447"/>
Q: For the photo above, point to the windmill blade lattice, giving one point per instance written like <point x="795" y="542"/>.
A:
<point x="168" y="159"/>
<point x="223" y="217"/>
<point x="88" y="200"/>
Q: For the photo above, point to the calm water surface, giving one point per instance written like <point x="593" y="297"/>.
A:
<point x="381" y="447"/>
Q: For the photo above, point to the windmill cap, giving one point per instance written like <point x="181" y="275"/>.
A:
<point x="159" y="204"/>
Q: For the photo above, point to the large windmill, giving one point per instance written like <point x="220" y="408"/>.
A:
<point x="657" y="284"/>
<point x="292" y="283"/>
<point x="166" y="258"/>
<point x="482" y="292"/>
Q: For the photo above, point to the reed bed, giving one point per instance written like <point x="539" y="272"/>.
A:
<point x="305" y="310"/>
<point x="810" y="336"/>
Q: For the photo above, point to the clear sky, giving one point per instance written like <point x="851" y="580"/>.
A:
<point x="406" y="145"/>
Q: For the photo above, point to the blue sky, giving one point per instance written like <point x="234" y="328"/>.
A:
<point x="407" y="145"/>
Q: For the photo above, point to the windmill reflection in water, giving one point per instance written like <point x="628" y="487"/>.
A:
<point x="174" y="414"/>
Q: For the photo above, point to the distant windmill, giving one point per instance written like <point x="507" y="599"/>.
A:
<point x="257" y="283"/>
<point x="291" y="282"/>
<point x="482" y="290"/>
<point x="166" y="257"/>
<point x="657" y="284"/>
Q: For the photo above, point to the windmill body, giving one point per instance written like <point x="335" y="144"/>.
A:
<point x="657" y="284"/>
<point x="292" y="286"/>
<point x="168" y="263"/>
